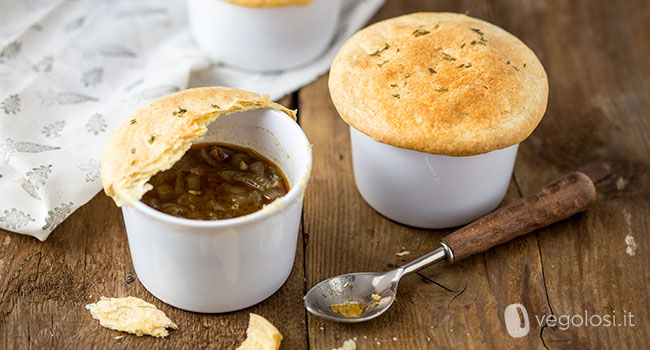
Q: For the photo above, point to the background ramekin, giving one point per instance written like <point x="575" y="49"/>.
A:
<point x="429" y="190"/>
<point x="226" y="265"/>
<point x="263" y="39"/>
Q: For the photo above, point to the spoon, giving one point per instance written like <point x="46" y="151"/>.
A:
<point x="358" y="297"/>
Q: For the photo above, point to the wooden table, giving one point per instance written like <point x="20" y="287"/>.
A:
<point x="597" y="55"/>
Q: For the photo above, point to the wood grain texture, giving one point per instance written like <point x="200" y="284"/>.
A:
<point x="598" y="121"/>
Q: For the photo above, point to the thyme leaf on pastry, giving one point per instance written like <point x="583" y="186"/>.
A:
<point x="463" y="45"/>
<point x="485" y="87"/>
<point x="152" y="138"/>
<point x="179" y="112"/>
<point x="407" y="75"/>
<point x="420" y="32"/>
<point x="383" y="63"/>
<point x="133" y="121"/>
<point x="396" y="96"/>
<point x="132" y="150"/>
<point x="438" y="48"/>
<point x="432" y="70"/>
<point x="477" y="31"/>
<point x="215" y="106"/>
<point x="379" y="51"/>
<point x="468" y="64"/>
<point x="442" y="88"/>
<point x="393" y="85"/>
<point x="461" y="65"/>
<point x="448" y="57"/>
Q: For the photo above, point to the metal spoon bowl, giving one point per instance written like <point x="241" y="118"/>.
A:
<point x="374" y="292"/>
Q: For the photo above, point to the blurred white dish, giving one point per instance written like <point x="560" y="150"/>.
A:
<point x="263" y="39"/>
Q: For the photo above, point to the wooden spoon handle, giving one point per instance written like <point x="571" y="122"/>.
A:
<point x="564" y="197"/>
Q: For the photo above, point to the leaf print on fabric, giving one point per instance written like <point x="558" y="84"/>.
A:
<point x="116" y="51"/>
<point x="38" y="175"/>
<point x="30" y="189"/>
<point x="44" y="65"/>
<point x="35" y="179"/>
<point x="11" y="104"/>
<point x="10" y="51"/>
<point x="69" y="98"/>
<point x="14" y="219"/>
<point x="56" y="216"/>
<point x="91" y="169"/>
<point x="9" y="147"/>
<point x="54" y="130"/>
<point x="96" y="124"/>
<point x="142" y="12"/>
<point x="74" y="24"/>
<point x="92" y="77"/>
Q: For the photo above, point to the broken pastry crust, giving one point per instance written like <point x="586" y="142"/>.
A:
<point x="158" y="135"/>
<point x="132" y="315"/>
<point x="261" y="335"/>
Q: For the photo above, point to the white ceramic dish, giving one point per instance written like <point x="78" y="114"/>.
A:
<point x="263" y="39"/>
<point x="226" y="265"/>
<point x="429" y="190"/>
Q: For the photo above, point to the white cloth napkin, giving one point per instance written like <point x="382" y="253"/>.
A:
<point x="72" y="70"/>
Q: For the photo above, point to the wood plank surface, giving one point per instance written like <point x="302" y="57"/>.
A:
<point x="596" y="54"/>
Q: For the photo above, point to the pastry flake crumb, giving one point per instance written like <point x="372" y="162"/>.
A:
<point x="349" y="344"/>
<point x="261" y="335"/>
<point x="131" y="315"/>
<point x="403" y="252"/>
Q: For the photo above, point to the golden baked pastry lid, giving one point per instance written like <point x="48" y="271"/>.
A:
<point x="269" y="3"/>
<point x="158" y="135"/>
<point x="441" y="83"/>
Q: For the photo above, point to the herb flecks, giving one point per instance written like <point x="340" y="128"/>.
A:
<point x="432" y="70"/>
<point x="468" y="64"/>
<point x="442" y="88"/>
<point x="461" y="65"/>
<point x="407" y="75"/>
<point x="215" y="106"/>
<point x="462" y="46"/>
<point x="485" y="87"/>
<point x="394" y="85"/>
<point x="133" y="121"/>
<point x="448" y="57"/>
<point x="438" y="48"/>
<point x="396" y="96"/>
<point x="420" y="32"/>
<point x="382" y="63"/>
<point x="152" y="138"/>
<point x="379" y="51"/>
<point x="477" y="31"/>
<point x="132" y="150"/>
<point x="436" y="26"/>
<point x="179" y="113"/>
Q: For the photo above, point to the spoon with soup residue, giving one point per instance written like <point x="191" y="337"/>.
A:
<point x="358" y="297"/>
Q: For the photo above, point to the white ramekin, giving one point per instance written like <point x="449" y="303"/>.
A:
<point x="226" y="265"/>
<point x="429" y="190"/>
<point x="263" y="39"/>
